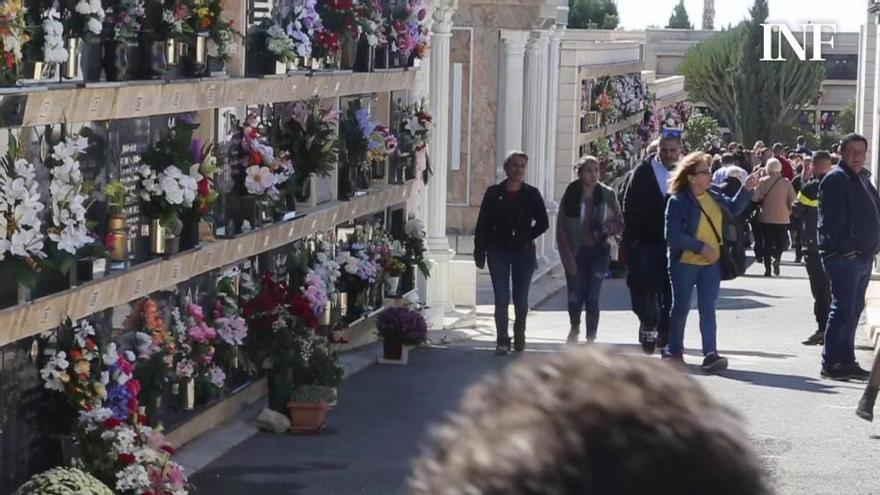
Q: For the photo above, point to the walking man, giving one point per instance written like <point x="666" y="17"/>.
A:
<point x="644" y="207"/>
<point x="849" y="238"/>
<point x="806" y="209"/>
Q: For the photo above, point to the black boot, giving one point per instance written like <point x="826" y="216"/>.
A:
<point x="519" y="336"/>
<point x="866" y="403"/>
<point x="767" y="262"/>
<point x="776" y="267"/>
<point x="592" y="325"/>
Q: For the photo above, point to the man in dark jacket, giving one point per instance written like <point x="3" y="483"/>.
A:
<point x="644" y="207"/>
<point x="849" y="238"/>
<point x="806" y="210"/>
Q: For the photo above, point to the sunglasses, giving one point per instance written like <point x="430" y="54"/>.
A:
<point x="670" y="132"/>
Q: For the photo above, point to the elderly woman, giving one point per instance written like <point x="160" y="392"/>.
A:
<point x="589" y="216"/>
<point x="695" y="216"/>
<point x="774" y="195"/>
<point x="512" y="215"/>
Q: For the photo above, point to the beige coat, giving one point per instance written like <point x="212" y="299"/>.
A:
<point x="775" y="195"/>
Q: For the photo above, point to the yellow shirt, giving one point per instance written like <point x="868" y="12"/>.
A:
<point x="704" y="231"/>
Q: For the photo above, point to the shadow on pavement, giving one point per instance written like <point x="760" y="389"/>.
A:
<point x="790" y="382"/>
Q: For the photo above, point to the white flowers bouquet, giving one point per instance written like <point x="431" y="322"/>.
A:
<point x="89" y="21"/>
<point x="67" y="200"/>
<point x="20" y="209"/>
<point x="167" y="192"/>
<point x="53" y="38"/>
<point x="280" y="44"/>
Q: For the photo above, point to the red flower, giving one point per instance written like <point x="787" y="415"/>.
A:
<point x="142" y="419"/>
<point x="299" y="306"/>
<point x="90" y="345"/>
<point x="168" y="448"/>
<point x="133" y="386"/>
<point x="256" y="158"/>
<point x="111" y="423"/>
<point x="76" y="355"/>
<point x="133" y="404"/>
<point x="10" y="60"/>
<point x="125" y="366"/>
<point x="204" y="187"/>
<point x="126" y="459"/>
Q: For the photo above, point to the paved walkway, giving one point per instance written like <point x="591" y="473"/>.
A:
<point x="804" y="427"/>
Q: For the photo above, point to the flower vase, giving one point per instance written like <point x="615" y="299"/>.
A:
<point x="377" y="169"/>
<point x="199" y="55"/>
<point x="381" y="57"/>
<point x="394" y="352"/>
<point x="118" y="237"/>
<point x="162" y="241"/>
<point x="347" y="182"/>
<point x="302" y="187"/>
<point x="91" y="60"/>
<point x="348" y="53"/>
<point x="363" y="179"/>
<point x="70" y="69"/>
<point x="189" y="235"/>
<point x="116" y="60"/>
<point x="391" y="285"/>
<point x="91" y="268"/>
<point x="333" y="61"/>
<point x="152" y="56"/>
<point x="279" y="383"/>
<point x="365" y="60"/>
<point x="187" y="394"/>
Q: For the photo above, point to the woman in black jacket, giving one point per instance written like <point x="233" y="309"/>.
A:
<point x="512" y="215"/>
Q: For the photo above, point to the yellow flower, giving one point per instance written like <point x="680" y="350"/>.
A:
<point x="82" y="367"/>
<point x="100" y="391"/>
<point x="64" y="377"/>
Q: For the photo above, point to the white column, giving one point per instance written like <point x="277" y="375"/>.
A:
<point x="535" y="118"/>
<point x="511" y="69"/>
<point x="437" y="296"/>
<point x="549" y="190"/>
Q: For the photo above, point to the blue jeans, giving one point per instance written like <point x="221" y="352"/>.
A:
<point x="849" y="281"/>
<point x="503" y="266"/>
<point x="585" y="285"/>
<point x="707" y="280"/>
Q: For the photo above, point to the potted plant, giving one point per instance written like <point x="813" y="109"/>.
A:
<point x="336" y="41"/>
<point x="308" y="407"/>
<point x="84" y="27"/>
<point x="357" y="132"/>
<point x="301" y="24"/>
<point x="14" y="26"/>
<point x="396" y="267"/>
<point x="63" y="480"/>
<point x="414" y="126"/>
<point x="270" y="49"/>
<point x="222" y="40"/>
<point x="400" y="329"/>
<point x="196" y="343"/>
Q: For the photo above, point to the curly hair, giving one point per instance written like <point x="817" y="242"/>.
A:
<point x="588" y="422"/>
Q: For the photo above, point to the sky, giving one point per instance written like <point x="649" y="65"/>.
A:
<point x="847" y="15"/>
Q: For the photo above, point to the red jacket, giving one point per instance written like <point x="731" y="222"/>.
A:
<point x="787" y="169"/>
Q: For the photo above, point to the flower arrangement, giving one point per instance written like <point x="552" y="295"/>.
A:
<point x="309" y="133"/>
<point x="53" y="38"/>
<point x="205" y="167"/>
<point x="260" y="171"/>
<point x="116" y="194"/>
<point x="223" y="35"/>
<point x="339" y="19"/>
<point x="13" y="36"/>
<point x="355" y="130"/>
<point x="619" y="97"/>
<point x="415" y="125"/>
<point x="124" y="17"/>
<point x="205" y="15"/>
<point x="196" y="341"/>
<point x="303" y="24"/>
<point x="373" y="22"/>
<point x="325" y="265"/>
<point x="87" y="20"/>
<point x="21" y="236"/>
<point x="231" y="327"/>
<point x="168" y="180"/>
<point x="178" y="20"/>
<point x="409" y="31"/>
<point x="402" y="324"/>
<point x="279" y="43"/>
<point x="153" y="347"/>
<point x="75" y="368"/>
<point x="358" y="262"/>
<point x="67" y="225"/>
<point x="381" y="143"/>
<point x="63" y="481"/>
<point x="414" y="245"/>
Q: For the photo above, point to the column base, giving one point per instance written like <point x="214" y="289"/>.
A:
<point x="437" y="289"/>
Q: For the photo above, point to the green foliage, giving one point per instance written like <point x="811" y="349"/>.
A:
<point x="679" y="18"/>
<point x="847" y="117"/>
<point x="313" y="394"/>
<point x="759" y="100"/>
<point x="63" y="481"/>
<point x="702" y="133"/>
<point x="320" y="369"/>
<point x="602" y="13"/>
<point x="116" y="193"/>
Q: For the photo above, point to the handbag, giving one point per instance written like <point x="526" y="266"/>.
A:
<point x="729" y="270"/>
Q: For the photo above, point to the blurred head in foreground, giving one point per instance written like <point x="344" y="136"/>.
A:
<point x="589" y="422"/>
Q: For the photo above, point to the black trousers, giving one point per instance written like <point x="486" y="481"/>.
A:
<point x="649" y="287"/>
<point x="774" y="241"/>
<point x="820" y="286"/>
<point x="758" y="235"/>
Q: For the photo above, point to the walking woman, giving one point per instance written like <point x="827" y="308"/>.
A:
<point x="512" y="215"/>
<point x="774" y="195"/>
<point x="695" y="216"/>
<point x="589" y="216"/>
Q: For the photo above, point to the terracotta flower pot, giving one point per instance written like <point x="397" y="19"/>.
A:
<point x="308" y="416"/>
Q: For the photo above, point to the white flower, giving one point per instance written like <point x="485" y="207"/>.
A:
<point x="52" y="373"/>
<point x="26" y="243"/>
<point x="218" y="377"/>
<point x="415" y="228"/>
<point x="96" y="6"/>
<point x="258" y="179"/>
<point x="83" y="8"/>
<point x="94" y="26"/>
<point x="110" y="355"/>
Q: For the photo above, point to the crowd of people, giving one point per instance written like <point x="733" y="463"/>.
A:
<point x="684" y="223"/>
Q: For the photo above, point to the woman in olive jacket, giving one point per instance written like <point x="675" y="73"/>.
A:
<point x="512" y="215"/>
<point x="589" y="216"/>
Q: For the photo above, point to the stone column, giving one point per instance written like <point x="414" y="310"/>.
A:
<point x="511" y="69"/>
<point x="535" y="119"/>
<point x="439" y="253"/>
<point x="549" y="190"/>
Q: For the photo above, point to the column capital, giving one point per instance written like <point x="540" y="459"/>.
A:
<point x="441" y="16"/>
<point x="514" y="38"/>
<point x="557" y="34"/>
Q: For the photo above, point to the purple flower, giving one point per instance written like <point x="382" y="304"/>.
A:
<point x="363" y="119"/>
<point x="117" y="401"/>
<point x="301" y="114"/>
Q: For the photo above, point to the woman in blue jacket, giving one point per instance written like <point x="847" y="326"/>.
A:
<point x="695" y="216"/>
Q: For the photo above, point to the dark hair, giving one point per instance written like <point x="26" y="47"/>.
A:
<point x="777" y="146"/>
<point x="512" y="155"/>
<point x="589" y="421"/>
<point x="822" y="155"/>
<point x="852" y="138"/>
<point x="801" y="140"/>
<point x="728" y="158"/>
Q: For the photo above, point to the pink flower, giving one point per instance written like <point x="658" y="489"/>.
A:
<point x="196" y="312"/>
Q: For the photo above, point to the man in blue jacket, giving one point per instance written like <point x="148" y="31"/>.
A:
<point x="849" y="238"/>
